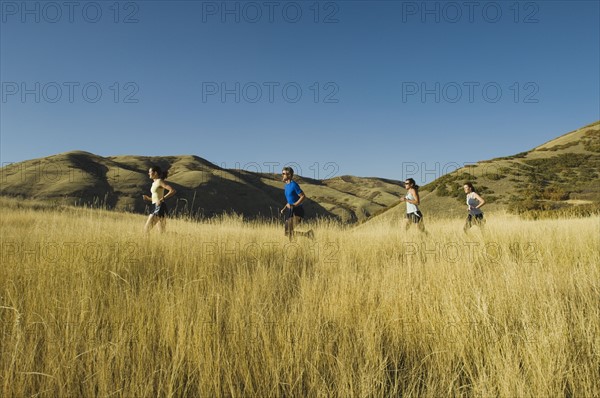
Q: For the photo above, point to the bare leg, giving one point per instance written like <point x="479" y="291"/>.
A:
<point x="407" y="225"/>
<point x="481" y="223"/>
<point x="162" y="224"/>
<point x="308" y="234"/>
<point x="291" y="223"/>
<point x="467" y="225"/>
<point x="296" y="221"/>
<point x="150" y="223"/>
<point x="289" y="227"/>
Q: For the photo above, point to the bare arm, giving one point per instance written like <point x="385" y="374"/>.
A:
<point x="170" y="189"/>
<point x="415" y="195"/>
<point x="480" y="199"/>
<point x="300" y="200"/>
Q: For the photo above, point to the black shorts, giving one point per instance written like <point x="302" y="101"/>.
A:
<point x="295" y="212"/>
<point x="415" y="217"/>
<point x="478" y="218"/>
<point x="158" y="209"/>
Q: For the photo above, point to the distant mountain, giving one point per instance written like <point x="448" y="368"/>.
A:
<point x="203" y="188"/>
<point x="558" y="177"/>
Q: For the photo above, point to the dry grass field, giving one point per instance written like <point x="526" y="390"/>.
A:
<point x="89" y="306"/>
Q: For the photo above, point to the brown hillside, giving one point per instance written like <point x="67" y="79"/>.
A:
<point x="560" y="177"/>
<point x="203" y="188"/>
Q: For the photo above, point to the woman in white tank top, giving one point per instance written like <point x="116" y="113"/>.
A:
<point x="413" y="214"/>
<point x="474" y="203"/>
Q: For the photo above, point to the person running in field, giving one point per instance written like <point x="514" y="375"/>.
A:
<point x="158" y="208"/>
<point x="474" y="203"/>
<point x="293" y="209"/>
<point x="413" y="214"/>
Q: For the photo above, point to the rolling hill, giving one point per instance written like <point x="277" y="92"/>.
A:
<point x="203" y="188"/>
<point x="558" y="177"/>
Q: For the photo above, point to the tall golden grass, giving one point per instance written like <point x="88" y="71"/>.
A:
<point x="89" y="306"/>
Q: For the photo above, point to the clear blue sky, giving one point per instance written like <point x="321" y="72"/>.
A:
<point x="388" y="88"/>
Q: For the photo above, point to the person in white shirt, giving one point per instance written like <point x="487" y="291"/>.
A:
<point x="158" y="208"/>
<point x="413" y="214"/>
<point x="474" y="203"/>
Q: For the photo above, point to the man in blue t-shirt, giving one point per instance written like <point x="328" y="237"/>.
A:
<point x="294" y="211"/>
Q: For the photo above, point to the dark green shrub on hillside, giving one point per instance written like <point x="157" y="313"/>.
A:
<point x="563" y="212"/>
<point x="587" y="174"/>
<point x="442" y="191"/>
<point x="492" y="198"/>
<point x="450" y="180"/>
<point x="555" y="193"/>
<point x="517" y="156"/>
<point x="495" y="176"/>
<point x="591" y="140"/>
<point x="558" y="147"/>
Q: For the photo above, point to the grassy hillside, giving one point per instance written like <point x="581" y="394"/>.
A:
<point x="203" y="189"/>
<point x="560" y="177"/>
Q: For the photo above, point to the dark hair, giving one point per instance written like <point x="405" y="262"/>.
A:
<point x="289" y="170"/>
<point x="470" y="185"/>
<point x="161" y="174"/>
<point x="412" y="182"/>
